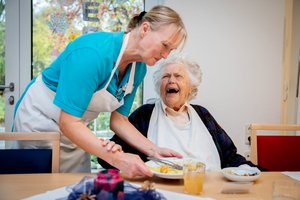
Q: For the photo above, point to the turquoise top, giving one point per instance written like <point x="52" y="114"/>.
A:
<point x="84" y="67"/>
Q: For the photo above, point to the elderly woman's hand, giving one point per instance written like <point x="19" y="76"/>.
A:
<point x="111" y="145"/>
<point x="160" y="152"/>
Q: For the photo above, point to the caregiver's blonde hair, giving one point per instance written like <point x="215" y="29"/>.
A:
<point x="159" y="17"/>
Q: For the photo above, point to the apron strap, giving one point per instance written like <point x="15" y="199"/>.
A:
<point x="124" y="45"/>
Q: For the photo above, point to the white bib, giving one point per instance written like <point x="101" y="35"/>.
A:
<point x="191" y="140"/>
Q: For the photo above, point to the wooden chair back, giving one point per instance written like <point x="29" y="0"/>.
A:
<point x="53" y="137"/>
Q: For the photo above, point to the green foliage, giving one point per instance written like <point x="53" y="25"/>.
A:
<point x="2" y="109"/>
<point x="94" y="162"/>
<point x="42" y="46"/>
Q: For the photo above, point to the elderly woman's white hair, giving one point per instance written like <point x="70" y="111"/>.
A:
<point x="193" y="70"/>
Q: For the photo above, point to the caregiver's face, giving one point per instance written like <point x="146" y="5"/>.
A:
<point x="156" y="45"/>
<point x="175" y="85"/>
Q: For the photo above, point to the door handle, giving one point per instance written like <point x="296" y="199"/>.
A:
<point x="11" y="100"/>
<point x="11" y="87"/>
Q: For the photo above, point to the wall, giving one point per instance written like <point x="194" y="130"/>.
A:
<point x="239" y="45"/>
<point x="296" y="55"/>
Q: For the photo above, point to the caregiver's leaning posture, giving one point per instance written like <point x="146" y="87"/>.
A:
<point x="99" y="72"/>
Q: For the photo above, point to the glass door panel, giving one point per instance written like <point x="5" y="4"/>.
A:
<point x="15" y="55"/>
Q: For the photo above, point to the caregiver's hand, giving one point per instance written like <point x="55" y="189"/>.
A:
<point x="130" y="164"/>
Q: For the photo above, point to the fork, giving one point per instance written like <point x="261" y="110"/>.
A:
<point x="166" y="162"/>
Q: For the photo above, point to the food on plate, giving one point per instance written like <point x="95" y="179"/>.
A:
<point x="241" y="172"/>
<point x="165" y="169"/>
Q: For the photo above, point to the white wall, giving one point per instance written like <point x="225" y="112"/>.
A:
<point x="239" y="44"/>
<point x="296" y="52"/>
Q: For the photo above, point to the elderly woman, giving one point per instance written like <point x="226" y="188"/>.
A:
<point x="174" y="123"/>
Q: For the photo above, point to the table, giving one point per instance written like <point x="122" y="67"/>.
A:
<point x="18" y="186"/>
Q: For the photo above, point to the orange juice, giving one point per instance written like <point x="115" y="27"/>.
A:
<point x="193" y="176"/>
<point x="193" y="182"/>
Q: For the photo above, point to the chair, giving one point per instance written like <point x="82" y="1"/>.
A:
<point x="275" y="152"/>
<point x="16" y="161"/>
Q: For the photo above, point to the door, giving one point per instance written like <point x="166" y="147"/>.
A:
<point x="15" y="56"/>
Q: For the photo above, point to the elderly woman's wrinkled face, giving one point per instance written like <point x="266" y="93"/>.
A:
<point x="175" y="86"/>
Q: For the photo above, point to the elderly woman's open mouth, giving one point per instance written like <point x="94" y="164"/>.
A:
<point x="172" y="90"/>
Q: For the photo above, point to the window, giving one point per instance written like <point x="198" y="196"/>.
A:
<point x="57" y="22"/>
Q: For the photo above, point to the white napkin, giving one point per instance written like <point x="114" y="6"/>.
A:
<point x="179" y="196"/>
<point x="59" y="193"/>
<point x="293" y="175"/>
<point x="245" y="166"/>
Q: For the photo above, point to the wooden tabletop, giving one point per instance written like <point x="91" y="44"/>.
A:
<point x="18" y="186"/>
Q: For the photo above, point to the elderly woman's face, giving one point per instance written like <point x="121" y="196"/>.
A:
<point x="175" y="86"/>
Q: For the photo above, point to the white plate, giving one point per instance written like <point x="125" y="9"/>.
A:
<point x="238" y="174"/>
<point x="166" y="175"/>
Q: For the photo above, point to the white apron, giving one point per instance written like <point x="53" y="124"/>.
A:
<point x="109" y="102"/>
<point x="191" y="140"/>
<point x="37" y="113"/>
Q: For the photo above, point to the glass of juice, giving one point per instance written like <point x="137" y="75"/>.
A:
<point x="193" y="176"/>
